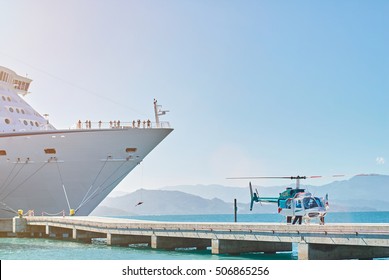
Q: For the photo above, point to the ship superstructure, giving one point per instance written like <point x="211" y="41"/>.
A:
<point x="48" y="171"/>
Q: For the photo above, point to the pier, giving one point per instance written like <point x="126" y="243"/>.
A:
<point x="314" y="242"/>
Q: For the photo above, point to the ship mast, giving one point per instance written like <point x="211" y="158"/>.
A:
<point x="158" y="112"/>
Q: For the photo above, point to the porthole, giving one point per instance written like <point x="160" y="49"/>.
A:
<point x="3" y="152"/>
<point x="32" y="123"/>
<point x="25" y="122"/>
<point x="9" y="99"/>
<point x="4" y="98"/>
<point x="7" y="121"/>
<point x="36" y="124"/>
<point x="11" y="109"/>
<point x="17" y="110"/>
<point x="22" y="111"/>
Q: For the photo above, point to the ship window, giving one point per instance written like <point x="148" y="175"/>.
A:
<point x="32" y="124"/>
<point x="9" y="99"/>
<point x="50" y="151"/>
<point x="130" y="150"/>
<point x="25" y="122"/>
<point x="17" y="110"/>
<point x="11" y="109"/>
<point x="7" y="121"/>
<point x="36" y="124"/>
<point x="22" y="111"/>
<point x="3" y="152"/>
<point x="4" y="98"/>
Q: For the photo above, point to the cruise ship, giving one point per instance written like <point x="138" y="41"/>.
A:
<point x="49" y="171"/>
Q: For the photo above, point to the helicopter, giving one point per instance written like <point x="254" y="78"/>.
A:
<point x="296" y="202"/>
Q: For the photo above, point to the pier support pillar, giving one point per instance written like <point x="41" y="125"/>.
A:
<point x="125" y="240"/>
<point x="171" y="243"/>
<point x="223" y="246"/>
<point x="311" y="251"/>
<point x="19" y="226"/>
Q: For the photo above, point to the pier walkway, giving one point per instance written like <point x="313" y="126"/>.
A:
<point x="330" y="241"/>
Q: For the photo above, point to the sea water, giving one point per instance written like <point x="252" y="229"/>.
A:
<point x="49" y="249"/>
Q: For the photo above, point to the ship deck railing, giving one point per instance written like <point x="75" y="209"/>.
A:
<point x="142" y="124"/>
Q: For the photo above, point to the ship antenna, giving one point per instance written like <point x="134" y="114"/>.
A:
<point x="158" y="112"/>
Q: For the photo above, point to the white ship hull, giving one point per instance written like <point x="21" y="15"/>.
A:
<point x="53" y="171"/>
<point x="48" y="171"/>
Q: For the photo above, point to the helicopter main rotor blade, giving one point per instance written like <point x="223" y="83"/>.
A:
<point x="293" y="177"/>
<point x="271" y="177"/>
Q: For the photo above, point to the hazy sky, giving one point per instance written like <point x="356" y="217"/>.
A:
<point x="253" y="87"/>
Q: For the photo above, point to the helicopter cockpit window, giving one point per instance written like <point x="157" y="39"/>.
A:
<point x="319" y="202"/>
<point x="298" y="204"/>
<point x="309" y="203"/>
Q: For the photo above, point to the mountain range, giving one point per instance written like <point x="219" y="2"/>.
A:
<point x="360" y="193"/>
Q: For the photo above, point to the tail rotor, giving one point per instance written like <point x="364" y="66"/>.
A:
<point x="254" y="196"/>
<point x="251" y="196"/>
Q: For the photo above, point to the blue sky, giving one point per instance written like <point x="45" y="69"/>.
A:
<point x="253" y="87"/>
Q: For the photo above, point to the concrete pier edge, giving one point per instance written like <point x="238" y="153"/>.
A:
<point x="314" y="242"/>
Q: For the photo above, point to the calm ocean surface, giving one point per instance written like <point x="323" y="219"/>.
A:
<point x="45" y="249"/>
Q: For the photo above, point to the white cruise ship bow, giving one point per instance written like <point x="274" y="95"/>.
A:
<point x="50" y="171"/>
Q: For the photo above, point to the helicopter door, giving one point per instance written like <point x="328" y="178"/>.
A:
<point x="298" y="208"/>
<point x="287" y="208"/>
